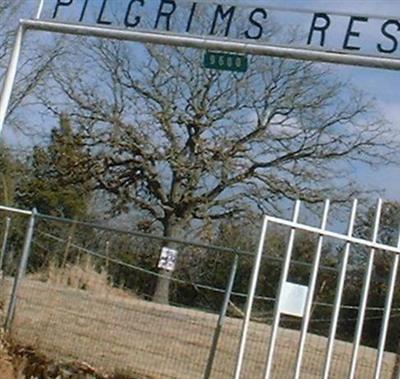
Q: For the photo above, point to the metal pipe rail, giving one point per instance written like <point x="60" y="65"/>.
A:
<point x="215" y="43"/>
<point x="15" y="210"/>
<point x="173" y="39"/>
<point x="338" y="236"/>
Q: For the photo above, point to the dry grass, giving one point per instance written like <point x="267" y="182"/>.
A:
<point x="83" y="276"/>
<point x="114" y="332"/>
<point x="19" y="362"/>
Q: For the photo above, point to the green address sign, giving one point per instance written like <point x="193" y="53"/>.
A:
<point x="224" y="61"/>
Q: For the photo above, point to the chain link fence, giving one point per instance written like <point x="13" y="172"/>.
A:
<point x="86" y="294"/>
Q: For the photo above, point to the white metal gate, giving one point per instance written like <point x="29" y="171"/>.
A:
<point x="283" y="294"/>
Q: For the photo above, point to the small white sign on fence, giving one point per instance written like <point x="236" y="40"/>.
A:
<point x="168" y="259"/>
<point x="292" y="299"/>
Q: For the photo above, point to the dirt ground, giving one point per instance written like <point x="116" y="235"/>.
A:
<point x="6" y="364"/>
<point x="129" y="335"/>
<point x="19" y="362"/>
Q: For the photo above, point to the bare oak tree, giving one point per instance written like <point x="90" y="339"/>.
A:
<point x="181" y="143"/>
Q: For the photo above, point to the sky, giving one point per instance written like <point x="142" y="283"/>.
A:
<point x="383" y="85"/>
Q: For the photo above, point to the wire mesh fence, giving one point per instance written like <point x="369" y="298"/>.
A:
<point x="87" y="294"/>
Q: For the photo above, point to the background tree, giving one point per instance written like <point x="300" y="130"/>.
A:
<point x="10" y="171"/>
<point x="58" y="183"/>
<point x="181" y="143"/>
<point x="55" y="184"/>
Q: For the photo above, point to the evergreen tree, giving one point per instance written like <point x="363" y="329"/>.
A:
<point x="57" y="184"/>
<point x="10" y="170"/>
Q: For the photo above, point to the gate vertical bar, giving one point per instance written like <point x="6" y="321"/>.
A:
<point x="386" y="314"/>
<point x="250" y="299"/>
<point x="21" y="271"/>
<point x="364" y="294"/>
<point x="221" y="318"/>
<point x="4" y="244"/>
<point x="339" y="293"/>
<point x="282" y="280"/>
<point x="310" y="294"/>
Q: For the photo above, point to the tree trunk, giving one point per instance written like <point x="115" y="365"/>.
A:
<point x="162" y="291"/>
<point x="161" y="294"/>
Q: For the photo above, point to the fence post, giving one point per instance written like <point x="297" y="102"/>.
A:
<point x="21" y="271"/>
<point x="4" y="244"/>
<point x="107" y="255"/>
<point x="221" y="318"/>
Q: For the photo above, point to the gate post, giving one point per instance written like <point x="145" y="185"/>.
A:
<point x="221" y="318"/>
<point x="9" y="78"/>
<point x="21" y="271"/>
<point x="4" y="244"/>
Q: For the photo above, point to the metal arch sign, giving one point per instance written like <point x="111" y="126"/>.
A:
<point x="320" y="30"/>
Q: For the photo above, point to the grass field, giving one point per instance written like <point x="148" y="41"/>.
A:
<point x="115" y="331"/>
